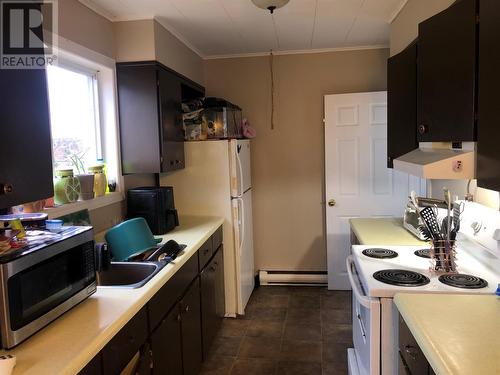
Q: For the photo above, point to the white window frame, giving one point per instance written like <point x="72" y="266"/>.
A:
<point x="79" y="58"/>
<point x="64" y="63"/>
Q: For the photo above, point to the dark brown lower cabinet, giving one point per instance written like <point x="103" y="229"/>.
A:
<point x="212" y="299"/>
<point x="177" y="326"/>
<point x="191" y="330"/>
<point x="220" y="292"/>
<point x="122" y="348"/>
<point x="94" y="367"/>
<point x="412" y="360"/>
<point x="167" y="352"/>
<point x="177" y="340"/>
<point x="208" y="315"/>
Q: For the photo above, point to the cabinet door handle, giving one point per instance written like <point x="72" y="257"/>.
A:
<point x="411" y="351"/>
<point x="205" y="251"/>
<point x="422" y="129"/>
<point x="6" y="189"/>
<point x="186" y="309"/>
<point x="178" y="318"/>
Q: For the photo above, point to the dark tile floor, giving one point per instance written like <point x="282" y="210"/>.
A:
<point x="286" y="331"/>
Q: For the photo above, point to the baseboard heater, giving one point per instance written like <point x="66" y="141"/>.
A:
<point x="311" y="278"/>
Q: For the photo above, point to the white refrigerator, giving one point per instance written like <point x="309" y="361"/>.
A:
<point x="217" y="182"/>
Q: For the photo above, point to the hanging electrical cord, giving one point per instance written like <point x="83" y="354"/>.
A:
<point x="271" y="66"/>
<point x="314" y="24"/>
<point x="275" y="32"/>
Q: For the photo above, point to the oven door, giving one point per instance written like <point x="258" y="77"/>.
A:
<point x="365" y="328"/>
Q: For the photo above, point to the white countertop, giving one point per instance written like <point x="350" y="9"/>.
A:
<point x="66" y="345"/>
<point x="458" y="334"/>
<point x="383" y="231"/>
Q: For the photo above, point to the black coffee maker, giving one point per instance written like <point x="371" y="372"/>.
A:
<point x="156" y="205"/>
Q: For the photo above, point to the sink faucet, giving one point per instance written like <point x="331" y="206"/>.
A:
<point x="102" y="257"/>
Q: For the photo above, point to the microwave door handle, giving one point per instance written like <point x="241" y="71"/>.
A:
<point x="363" y="300"/>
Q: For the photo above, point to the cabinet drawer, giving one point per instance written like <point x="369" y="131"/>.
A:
<point x="410" y="351"/>
<point x="120" y="350"/>
<point x="172" y="291"/>
<point x="205" y="253"/>
<point x="217" y="239"/>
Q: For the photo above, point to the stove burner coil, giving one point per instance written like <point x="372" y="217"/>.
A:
<point x="401" y="277"/>
<point x="460" y="280"/>
<point x="380" y="253"/>
<point x="423" y="253"/>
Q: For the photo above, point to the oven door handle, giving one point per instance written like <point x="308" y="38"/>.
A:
<point x="363" y="300"/>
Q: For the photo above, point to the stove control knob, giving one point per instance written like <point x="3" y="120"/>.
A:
<point x="496" y="235"/>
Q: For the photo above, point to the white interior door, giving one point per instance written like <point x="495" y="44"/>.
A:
<point x="358" y="182"/>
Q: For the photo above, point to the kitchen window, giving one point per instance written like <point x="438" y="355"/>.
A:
<point x="84" y="128"/>
<point x="74" y="114"/>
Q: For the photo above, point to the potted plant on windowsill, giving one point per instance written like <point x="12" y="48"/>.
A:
<point x="86" y="179"/>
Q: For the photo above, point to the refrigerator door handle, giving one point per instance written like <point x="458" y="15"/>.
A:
<point x="241" y="223"/>
<point x="240" y="170"/>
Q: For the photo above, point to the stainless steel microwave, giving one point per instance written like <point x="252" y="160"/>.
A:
<point x="43" y="280"/>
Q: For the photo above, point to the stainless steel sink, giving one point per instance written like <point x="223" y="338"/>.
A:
<point x="128" y="274"/>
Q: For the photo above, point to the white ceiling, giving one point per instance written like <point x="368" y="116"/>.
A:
<point x="235" y="27"/>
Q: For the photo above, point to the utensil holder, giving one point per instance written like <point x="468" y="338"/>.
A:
<point x="443" y="255"/>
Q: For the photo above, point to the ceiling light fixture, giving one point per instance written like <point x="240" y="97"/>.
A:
<point x="270" y="5"/>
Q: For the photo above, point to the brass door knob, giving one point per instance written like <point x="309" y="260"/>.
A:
<point x="332" y="202"/>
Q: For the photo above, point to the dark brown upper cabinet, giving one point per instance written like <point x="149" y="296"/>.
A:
<point x="151" y="132"/>
<point x="402" y="103"/>
<point x="25" y="142"/>
<point x="446" y="78"/>
<point x="488" y="129"/>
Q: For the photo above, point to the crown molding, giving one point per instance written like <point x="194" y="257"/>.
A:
<point x="98" y="9"/>
<point x="297" y="52"/>
<point x="101" y="11"/>
<point x="183" y="40"/>
<point x="398" y="10"/>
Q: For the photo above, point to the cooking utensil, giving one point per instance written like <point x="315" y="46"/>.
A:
<point x="167" y="252"/>
<point x="458" y="208"/>
<point x="130" y="239"/>
<point x="430" y="220"/>
<point x="447" y="197"/>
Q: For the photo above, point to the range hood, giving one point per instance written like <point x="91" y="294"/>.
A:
<point x="439" y="161"/>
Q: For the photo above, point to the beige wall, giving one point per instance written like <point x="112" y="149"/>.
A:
<point x="288" y="162"/>
<point x="144" y="40"/>
<point x="85" y="27"/>
<point x="171" y="52"/>
<point x="134" y="40"/>
<point x="404" y="29"/>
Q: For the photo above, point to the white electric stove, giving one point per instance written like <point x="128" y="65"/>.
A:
<point x="377" y="273"/>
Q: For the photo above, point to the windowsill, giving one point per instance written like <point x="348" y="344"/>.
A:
<point x="91" y="204"/>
